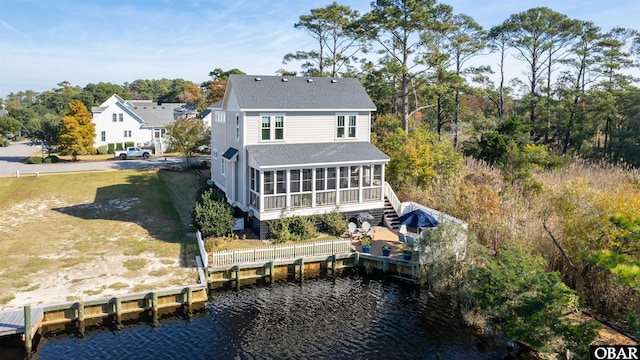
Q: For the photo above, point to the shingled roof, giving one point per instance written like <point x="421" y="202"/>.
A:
<point x="317" y="153"/>
<point x="305" y="93"/>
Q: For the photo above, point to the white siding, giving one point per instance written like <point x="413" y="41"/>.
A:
<point x="115" y="130"/>
<point x="303" y="127"/>
<point x="218" y="142"/>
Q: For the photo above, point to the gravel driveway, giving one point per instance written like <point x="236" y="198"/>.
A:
<point x="12" y="157"/>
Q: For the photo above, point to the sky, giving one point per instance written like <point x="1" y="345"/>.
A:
<point x="46" y="42"/>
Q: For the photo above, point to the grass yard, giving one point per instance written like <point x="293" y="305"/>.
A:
<point x="67" y="237"/>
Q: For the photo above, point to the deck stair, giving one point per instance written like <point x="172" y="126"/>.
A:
<point x="390" y="215"/>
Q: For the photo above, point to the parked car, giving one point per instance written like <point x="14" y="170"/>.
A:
<point x="133" y="151"/>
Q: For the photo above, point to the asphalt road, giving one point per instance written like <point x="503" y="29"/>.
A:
<point x="12" y="161"/>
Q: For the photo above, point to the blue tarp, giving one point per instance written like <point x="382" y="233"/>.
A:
<point x="418" y="219"/>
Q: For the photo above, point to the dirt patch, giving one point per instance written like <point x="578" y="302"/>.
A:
<point x="74" y="245"/>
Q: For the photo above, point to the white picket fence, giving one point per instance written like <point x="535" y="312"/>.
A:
<point x="275" y="252"/>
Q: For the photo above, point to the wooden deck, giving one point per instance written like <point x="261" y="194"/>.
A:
<point x="12" y="321"/>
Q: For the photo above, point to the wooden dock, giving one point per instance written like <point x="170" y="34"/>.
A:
<point x="12" y="322"/>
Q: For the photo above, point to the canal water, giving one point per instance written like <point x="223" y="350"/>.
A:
<point x="349" y="317"/>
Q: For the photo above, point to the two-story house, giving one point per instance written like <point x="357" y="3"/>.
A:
<point x="296" y="143"/>
<point x="141" y="122"/>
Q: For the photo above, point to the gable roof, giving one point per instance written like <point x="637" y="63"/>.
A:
<point x="298" y="93"/>
<point x="289" y="155"/>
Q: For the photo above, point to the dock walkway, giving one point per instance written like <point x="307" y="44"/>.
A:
<point x="12" y="321"/>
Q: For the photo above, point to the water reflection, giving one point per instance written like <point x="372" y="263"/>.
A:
<point x="345" y="318"/>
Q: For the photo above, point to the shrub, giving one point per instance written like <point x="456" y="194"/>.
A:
<point x="119" y="147"/>
<point x="333" y="223"/>
<point x="128" y="144"/>
<point x="292" y="228"/>
<point x="111" y="148"/>
<point x="101" y="150"/>
<point x="212" y="217"/>
<point x="528" y="303"/>
<point x="51" y="159"/>
<point x="4" y="143"/>
<point x="34" y="160"/>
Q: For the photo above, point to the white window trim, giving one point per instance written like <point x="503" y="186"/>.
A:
<point x="272" y="128"/>
<point x="214" y="152"/>
<point x="223" y="168"/>
<point x="346" y="126"/>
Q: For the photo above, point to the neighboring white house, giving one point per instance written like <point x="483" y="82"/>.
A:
<point x="296" y="143"/>
<point x="141" y="122"/>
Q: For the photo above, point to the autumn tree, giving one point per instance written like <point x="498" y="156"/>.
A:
<point x="187" y="135"/>
<point x="77" y="132"/>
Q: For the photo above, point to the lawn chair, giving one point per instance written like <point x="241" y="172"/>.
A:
<point x="353" y="231"/>
<point x="366" y="228"/>
<point x="403" y="229"/>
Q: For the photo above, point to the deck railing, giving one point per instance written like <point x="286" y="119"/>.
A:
<point x="275" y="252"/>
<point x="393" y="199"/>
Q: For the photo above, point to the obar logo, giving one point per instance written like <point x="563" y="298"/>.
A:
<point x="603" y="352"/>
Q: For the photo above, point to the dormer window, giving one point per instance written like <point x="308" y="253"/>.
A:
<point x="346" y="126"/>
<point x="272" y="128"/>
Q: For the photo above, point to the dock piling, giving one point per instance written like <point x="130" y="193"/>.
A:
<point x="27" y="329"/>
<point x="154" y="308"/>
<point x="81" y="323"/>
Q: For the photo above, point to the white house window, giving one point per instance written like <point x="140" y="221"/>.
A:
<point x="237" y="127"/>
<point x="220" y="117"/>
<point x="223" y="169"/>
<point x="127" y="133"/>
<point x="346" y="127"/>
<point x="269" y="188"/>
<point x="103" y="136"/>
<point x="272" y="127"/>
<point x="115" y="117"/>
<point x="214" y="152"/>
<point x="120" y="117"/>
<point x="158" y="133"/>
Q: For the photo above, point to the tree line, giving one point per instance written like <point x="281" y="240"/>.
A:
<point x="501" y="154"/>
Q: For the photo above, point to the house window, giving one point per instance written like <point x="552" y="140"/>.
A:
<point x="344" y="177"/>
<point x="325" y="186"/>
<point x="120" y="117"/>
<point x="214" y="152"/>
<point x="331" y="178"/>
<point x="158" y="133"/>
<point x="295" y="181"/>
<point x="346" y="127"/>
<point x="127" y="133"/>
<point x="306" y="179"/>
<point x="272" y="127"/>
<point x="223" y="168"/>
<point x="103" y="136"/>
<point x="266" y="128"/>
<point x="115" y="117"/>
<point x="377" y="175"/>
<point x="281" y="182"/>
<point x="237" y="127"/>
<point x="253" y="184"/>
<point x="219" y="117"/>
<point x="320" y="180"/>
<point x="268" y="183"/>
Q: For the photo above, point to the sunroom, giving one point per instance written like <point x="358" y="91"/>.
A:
<point x="314" y="178"/>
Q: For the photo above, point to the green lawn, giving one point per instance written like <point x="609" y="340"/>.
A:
<point x="55" y="223"/>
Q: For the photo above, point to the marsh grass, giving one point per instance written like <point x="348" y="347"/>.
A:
<point x="118" y="286"/>
<point x="135" y="264"/>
